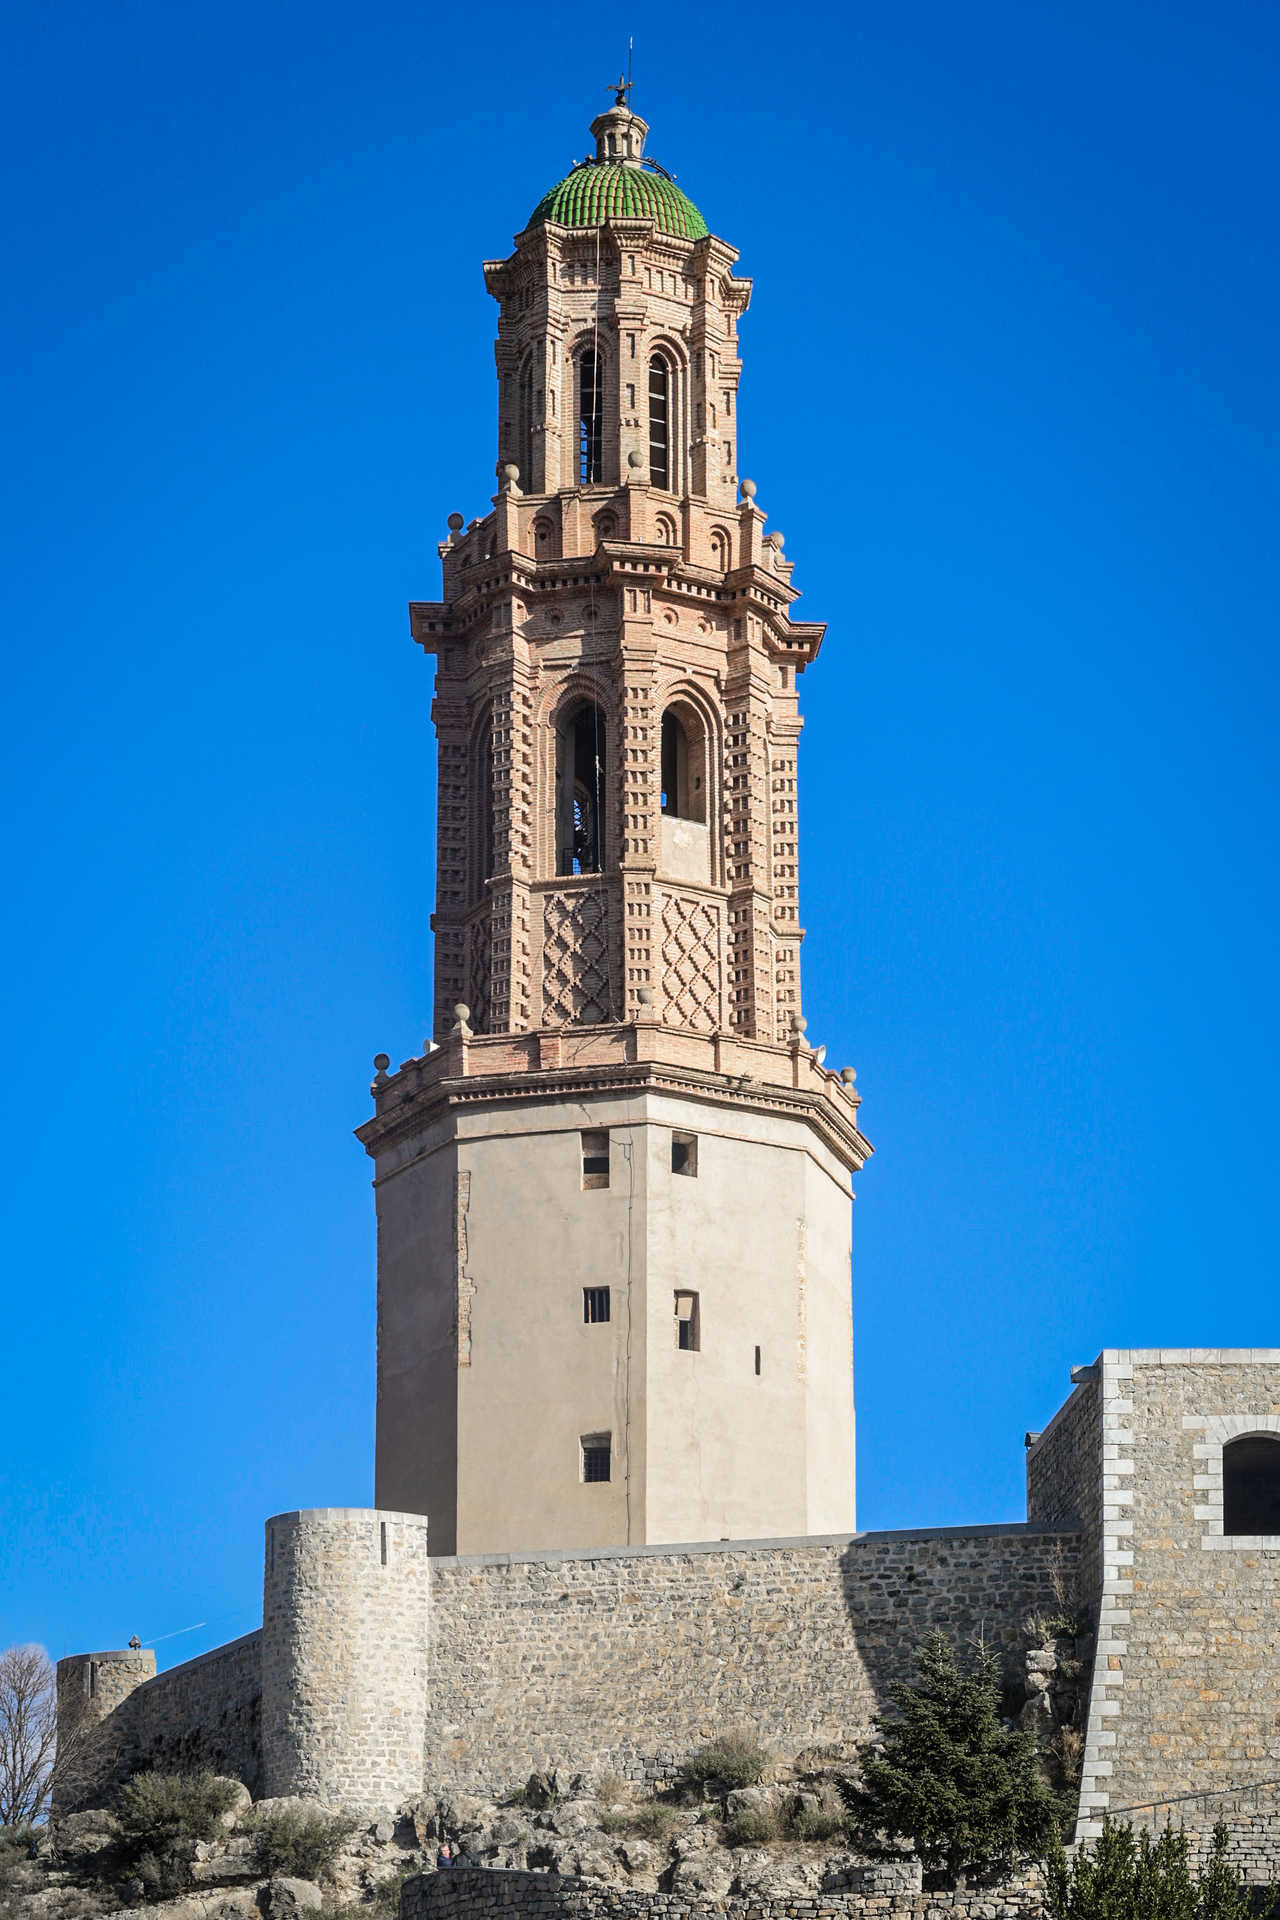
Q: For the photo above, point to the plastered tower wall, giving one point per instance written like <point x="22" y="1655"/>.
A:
<point x="491" y="1376"/>
<point x="346" y="1604"/>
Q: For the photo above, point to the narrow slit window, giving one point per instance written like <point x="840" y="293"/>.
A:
<point x="659" y="423"/>
<point x="757" y="1362"/>
<point x="595" y="1159"/>
<point x="688" y="1329"/>
<point x="684" y="1154"/>
<point x="590" y="418"/>
<point x="595" y="1306"/>
<point x="597" y="1456"/>
<point x="382" y="1530"/>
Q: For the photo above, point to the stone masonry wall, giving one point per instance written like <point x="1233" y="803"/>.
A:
<point x="1064" y="1479"/>
<point x="346" y="1602"/>
<point x="1187" y="1688"/>
<point x="625" y="1660"/>
<point x="204" y="1713"/>
<point x="464" y="1894"/>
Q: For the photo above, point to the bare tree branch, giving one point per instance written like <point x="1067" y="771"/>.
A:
<point x="28" y="1733"/>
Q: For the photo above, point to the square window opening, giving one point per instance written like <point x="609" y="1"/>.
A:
<point x="595" y="1306"/>
<point x="595" y="1158"/>
<point x="597" y="1456"/>
<point x="684" y="1154"/>
<point x="688" y="1323"/>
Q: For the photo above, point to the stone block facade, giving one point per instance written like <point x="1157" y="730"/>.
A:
<point x="1186" y="1683"/>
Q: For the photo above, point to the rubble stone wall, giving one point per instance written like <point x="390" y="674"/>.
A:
<point x="626" y="1660"/>
<point x="467" y="1894"/>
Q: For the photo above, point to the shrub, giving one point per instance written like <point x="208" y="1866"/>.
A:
<point x="17" y="1851"/>
<point x="1144" y="1879"/>
<point x="753" y="1827"/>
<point x="651" y="1821"/>
<point x="161" y="1816"/>
<point x="816" y="1823"/>
<point x="737" y="1759"/>
<point x="300" y="1841"/>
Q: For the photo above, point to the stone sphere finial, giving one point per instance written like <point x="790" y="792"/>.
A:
<point x="644" y="996"/>
<point x="461" y="1020"/>
<point x="778" y="541"/>
<point x="635" y="460"/>
<point x="848" y="1075"/>
<point x="748" y="489"/>
<point x="798" y="1025"/>
<point x="510" y="476"/>
<point x="455" y="523"/>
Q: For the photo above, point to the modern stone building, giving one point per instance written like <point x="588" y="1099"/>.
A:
<point x="615" y="1441"/>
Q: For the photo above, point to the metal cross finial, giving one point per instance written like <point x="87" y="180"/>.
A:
<point x="621" y="91"/>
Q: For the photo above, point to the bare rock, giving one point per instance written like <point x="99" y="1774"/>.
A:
<point x="287" y="1899"/>
<point x="708" y="1874"/>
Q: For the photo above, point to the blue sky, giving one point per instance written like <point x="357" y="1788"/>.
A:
<point x="1010" y="392"/>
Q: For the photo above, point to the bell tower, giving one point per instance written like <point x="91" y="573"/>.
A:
<point x="613" y="1191"/>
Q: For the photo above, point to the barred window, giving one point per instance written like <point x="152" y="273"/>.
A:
<point x="596" y="1449"/>
<point x="688" y="1328"/>
<point x="595" y="1305"/>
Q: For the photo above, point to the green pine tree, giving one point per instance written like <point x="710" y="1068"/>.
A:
<point x="950" y="1778"/>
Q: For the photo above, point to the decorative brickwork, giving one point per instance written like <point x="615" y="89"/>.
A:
<point x="576" y="989"/>
<point x="692" y="944"/>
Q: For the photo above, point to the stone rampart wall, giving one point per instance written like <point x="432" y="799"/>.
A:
<point x="625" y="1661"/>
<point x="466" y="1894"/>
<point x="1064" y="1480"/>
<point x="205" y="1713"/>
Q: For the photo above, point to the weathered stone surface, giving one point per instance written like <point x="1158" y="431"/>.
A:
<point x="284" y="1898"/>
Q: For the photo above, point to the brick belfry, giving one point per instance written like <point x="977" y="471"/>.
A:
<point x="614" y="1192"/>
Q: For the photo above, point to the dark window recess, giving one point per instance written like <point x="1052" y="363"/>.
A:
<point x="659" y="393"/>
<point x="1251" y="1484"/>
<point x="684" y="1153"/>
<point x="596" y="1451"/>
<point x="580" y="792"/>
<point x="595" y="1305"/>
<point x="595" y="1159"/>
<point x="757" y="1360"/>
<point x="590" y="418"/>
<point x="688" y="1332"/>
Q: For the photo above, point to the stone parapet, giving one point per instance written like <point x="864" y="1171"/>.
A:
<point x="475" y="1894"/>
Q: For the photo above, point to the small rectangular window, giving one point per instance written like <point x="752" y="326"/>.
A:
<point x="595" y="1159"/>
<point x="684" y="1153"/>
<point x="757" y="1361"/>
<point x="688" y="1331"/>
<point x="595" y="1305"/>
<point x="597" y="1449"/>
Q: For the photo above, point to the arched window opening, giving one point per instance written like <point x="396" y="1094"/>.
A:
<point x="590" y="418"/>
<point x="665" y="528"/>
<point x="606" y="526"/>
<point x="580" y="791"/>
<point x="682" y="767"/>
<point x="720" y="549"/>
<point x="1251" y="1484"/>
<point x="659" y="423"/>
<point x="524" y="426"/>
<point x="544" y="538"/>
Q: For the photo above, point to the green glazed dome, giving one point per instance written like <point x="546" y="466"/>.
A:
<point x="597" y="191"/>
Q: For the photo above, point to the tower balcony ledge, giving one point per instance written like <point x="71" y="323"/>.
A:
<point x="564" y="1061"/>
